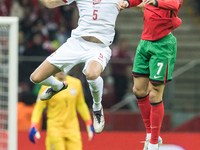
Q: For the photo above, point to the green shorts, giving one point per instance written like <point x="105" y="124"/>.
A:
<point x="156" y="59"/>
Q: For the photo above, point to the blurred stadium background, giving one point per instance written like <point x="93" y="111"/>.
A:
<point x="42" y="30"/>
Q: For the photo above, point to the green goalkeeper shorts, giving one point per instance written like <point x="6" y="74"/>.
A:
<point x="156" y="59"/>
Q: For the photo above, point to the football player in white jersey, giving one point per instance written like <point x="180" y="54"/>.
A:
<point x="89" y="43"/>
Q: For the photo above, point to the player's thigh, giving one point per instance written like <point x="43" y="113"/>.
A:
<point x="73" y="143"/>
<point x="96" y="58"/>
<point x="55" y="143"/>
<point x="67" y="55"/>
<point x="141" y="60"/>
<point x="45" y="70"/>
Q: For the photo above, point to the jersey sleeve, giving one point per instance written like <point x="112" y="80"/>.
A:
<point x="68" y="1"/>
<point x="133" y="3"/>
<point x="81" y="105"/>
<point x="169" y="4"/>
<point x="38" y="109"/>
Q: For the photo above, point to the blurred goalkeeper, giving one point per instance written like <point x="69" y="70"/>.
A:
<point x="63" y="130"/>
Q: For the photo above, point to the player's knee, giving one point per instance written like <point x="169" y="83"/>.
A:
<point x="154" y="97"/>
<point x="91" y="75"/>
<point x="139" y="92"/>
<point x="34" y="79"/>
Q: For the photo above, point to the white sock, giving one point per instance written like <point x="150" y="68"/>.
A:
<point x="53" y="82"/>
<point x="148" y="136"/>
<point x="153" y="146"/>
<point x="96" y="89"/>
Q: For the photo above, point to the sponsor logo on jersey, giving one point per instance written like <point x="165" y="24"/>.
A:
<point x="156" y="77"/>
<point x="96" y="2"/>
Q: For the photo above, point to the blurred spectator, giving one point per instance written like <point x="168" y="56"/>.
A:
<point x="22" y="43"/>
<point x="25" y="23"/>
<point x="121" y="66"/>
<point x="36" y="46"/>
<point x="35" y="49"/>
<point x="5" y="6"/>
<point x="61" y="36"/>
<point x="25" y="3"/>
<point x="16" y="10"/>
<point x="25" y="109"/>
<point x="67" y="12"/>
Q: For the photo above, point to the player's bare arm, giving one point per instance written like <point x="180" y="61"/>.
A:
<point x="122" y="5"/>
<point x="150" y="2"/>
<point x="164" y="4"/>
<point x="52" y="3"/>
<point x="139" y="7"/>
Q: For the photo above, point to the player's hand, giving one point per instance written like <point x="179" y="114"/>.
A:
<point x="90" y="131"/>
<point x="33" y="133"/>
<point x="150" y="2"/>
<point x="122" y="5"/>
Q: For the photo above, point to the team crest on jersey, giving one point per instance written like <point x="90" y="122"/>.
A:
<point x="96" y="2"/>
<point x="52" y="147"/>
<point x="73" y="91"/>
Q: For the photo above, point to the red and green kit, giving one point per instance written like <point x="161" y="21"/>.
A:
<point x="156" y="53"/>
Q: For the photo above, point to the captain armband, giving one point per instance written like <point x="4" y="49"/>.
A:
<point x="127" y="3"/>
<point x="156" y="3"/>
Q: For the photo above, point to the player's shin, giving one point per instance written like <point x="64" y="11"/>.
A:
<point x="96" y="88"/>
<point x="51" y="81"/>
<point x="156" y="118"/>
<point x="145" y="108"/>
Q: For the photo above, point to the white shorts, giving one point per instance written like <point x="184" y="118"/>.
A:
<point x="77" y="50"/>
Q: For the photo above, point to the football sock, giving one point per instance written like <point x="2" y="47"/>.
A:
<point x="148" y="136"/>
<point x="96" y="89"/>
<point x="156" y="118"/>
<point x="152" y="146"/>
<point x="53" y="82"/>
<point x="145" y="108"/>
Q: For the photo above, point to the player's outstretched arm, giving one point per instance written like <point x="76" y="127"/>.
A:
<point x="122" y="5"/>
<point x="35" y="118"/>
<point x="52" y="3"/>
<point x="169" y="4"/>
<point x="33" y="133"/>
<point x="140" y="7"/>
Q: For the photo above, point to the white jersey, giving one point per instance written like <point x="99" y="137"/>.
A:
<point x="96" y="18"/>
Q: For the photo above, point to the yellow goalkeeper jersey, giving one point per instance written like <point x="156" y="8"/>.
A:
<point x="62" y="110"/>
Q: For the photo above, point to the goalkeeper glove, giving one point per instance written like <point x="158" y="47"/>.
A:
<point x="33" y="132"/>
<point x="90" y="130"/>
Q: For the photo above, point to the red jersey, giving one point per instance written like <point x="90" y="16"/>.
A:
<point x="133" y="3"/>
<point x="161" y="20"/>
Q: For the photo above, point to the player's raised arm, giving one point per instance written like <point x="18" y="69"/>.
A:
<point x="140" y="7"/>
<point x="122" y="5"/>
<point x="130" y="3"/>
<point x="52" y="3"/>
<point x="169" y="4"/>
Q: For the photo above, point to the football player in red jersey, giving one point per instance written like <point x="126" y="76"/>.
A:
<point x="154" y="62"/>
